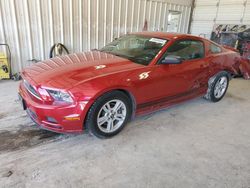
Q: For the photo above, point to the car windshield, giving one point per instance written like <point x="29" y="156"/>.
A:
<point x="139" y="49"/>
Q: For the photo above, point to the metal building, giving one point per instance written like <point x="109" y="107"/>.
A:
<point x="31" y="27"/>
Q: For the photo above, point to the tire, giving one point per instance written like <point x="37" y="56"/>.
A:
<point x="109" y="114"/>
<point x="217" y="86"/>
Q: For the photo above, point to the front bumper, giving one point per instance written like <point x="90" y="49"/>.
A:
<point x="66" y="119"/>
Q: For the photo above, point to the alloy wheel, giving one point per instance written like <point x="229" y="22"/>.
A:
<point x="111" y="116"/>
<point x="220" y="87"/>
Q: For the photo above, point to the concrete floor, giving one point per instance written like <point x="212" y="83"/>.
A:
<point x="195" y="144"/>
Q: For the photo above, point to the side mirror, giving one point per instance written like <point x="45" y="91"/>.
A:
<point x="171" y="60"/>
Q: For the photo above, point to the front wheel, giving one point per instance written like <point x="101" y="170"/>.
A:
<point x="109" y="114"/>
<point x="217" y="87"/>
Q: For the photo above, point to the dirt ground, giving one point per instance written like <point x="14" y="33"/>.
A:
<point x="195" y="144"/>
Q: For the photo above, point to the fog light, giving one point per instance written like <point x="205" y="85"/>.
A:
<point x="51" y="119"/>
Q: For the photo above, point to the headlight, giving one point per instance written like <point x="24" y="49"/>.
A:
<point x="60" y="96"/>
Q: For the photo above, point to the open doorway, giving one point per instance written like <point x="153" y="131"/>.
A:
<point x="173" y="21"/>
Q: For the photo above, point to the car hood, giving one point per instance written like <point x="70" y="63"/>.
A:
<point x="64" y="72"/>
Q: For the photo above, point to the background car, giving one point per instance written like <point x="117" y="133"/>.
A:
<point x="136" y="74"/>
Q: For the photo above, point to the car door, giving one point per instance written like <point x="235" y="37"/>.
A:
<point x="189" y="76"/>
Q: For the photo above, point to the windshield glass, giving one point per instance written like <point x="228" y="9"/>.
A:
<point x="139" y="49"/>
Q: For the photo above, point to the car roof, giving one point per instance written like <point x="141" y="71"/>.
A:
<point x="165" y="35"/>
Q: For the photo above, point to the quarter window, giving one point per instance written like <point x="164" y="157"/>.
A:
<point x="186" y="49"/>
<point x="214" y="49"/>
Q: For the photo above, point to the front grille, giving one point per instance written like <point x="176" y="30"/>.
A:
<point x="31" y="89"/>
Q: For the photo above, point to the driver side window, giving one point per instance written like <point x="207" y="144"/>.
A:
<point x="186" y="49"/>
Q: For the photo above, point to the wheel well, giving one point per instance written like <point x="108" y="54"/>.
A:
<point x="132" y="99"/>
<point x="231" y="72"/>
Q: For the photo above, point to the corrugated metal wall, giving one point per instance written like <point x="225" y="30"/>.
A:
<point x="31" y="27"/>
<point x="210" y="12"/>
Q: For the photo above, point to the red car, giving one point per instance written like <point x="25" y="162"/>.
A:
<point x="138" y="73"/>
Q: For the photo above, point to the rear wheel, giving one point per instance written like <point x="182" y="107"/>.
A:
<point x="109" y="114"/>
<point x="217" y="87"/>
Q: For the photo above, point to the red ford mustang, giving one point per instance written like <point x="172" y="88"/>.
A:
<point x="138" y="73"/>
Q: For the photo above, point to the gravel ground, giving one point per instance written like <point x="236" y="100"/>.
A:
<point x="195" y="144"/>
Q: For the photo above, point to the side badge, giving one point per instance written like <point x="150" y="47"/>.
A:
<point x="144" y="75"/>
